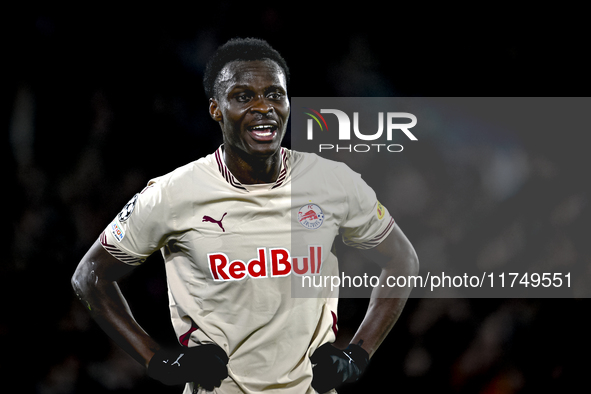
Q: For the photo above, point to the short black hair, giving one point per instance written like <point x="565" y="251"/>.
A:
<point x="239" y="49"/>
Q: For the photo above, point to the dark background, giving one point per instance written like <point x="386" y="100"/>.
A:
<point x="97" y="100"/>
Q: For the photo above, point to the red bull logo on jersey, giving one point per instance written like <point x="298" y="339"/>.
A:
<point x="270" y="262"/>
<point x="311" y="216"/>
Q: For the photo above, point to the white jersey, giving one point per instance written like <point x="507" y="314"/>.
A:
<point x="232" y="250"/>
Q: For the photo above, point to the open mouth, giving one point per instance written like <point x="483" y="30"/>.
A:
<point x="264" y="132"/>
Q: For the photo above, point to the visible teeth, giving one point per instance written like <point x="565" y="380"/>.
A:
<point x="262" y="127"/>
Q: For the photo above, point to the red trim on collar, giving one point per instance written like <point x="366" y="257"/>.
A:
<point x="227" y="175"/>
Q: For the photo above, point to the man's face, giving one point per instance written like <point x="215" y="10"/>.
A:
<point x="251" y="107"/>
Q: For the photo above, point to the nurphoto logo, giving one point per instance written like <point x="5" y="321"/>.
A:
<point x="390" y="122"/>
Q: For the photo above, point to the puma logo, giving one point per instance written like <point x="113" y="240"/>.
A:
<point x="177" y="360"/>
<point x="212" y="220"/>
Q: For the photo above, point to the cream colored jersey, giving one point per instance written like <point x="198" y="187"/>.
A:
<point x="232" y="250"/>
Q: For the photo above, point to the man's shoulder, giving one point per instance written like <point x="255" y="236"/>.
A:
<point x="305" y="162"/>
<point x="194" y="172"/>
<point x="307" y="159"/>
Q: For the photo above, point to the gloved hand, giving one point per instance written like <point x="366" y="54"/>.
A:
<point x="204" y="365"/>
<point x="333" y="367"/>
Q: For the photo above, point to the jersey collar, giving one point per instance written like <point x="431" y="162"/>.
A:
<point x="227" y="175"/>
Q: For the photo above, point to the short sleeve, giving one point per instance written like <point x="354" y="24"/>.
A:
<point x="367" y="222"/>
<point x="141" y="227"/>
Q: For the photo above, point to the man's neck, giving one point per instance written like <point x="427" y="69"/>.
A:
<point x="250" y="170"/>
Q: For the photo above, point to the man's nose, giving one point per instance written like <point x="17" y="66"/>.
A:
<point x="261" y="105"/>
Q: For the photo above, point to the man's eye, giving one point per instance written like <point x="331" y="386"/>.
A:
<point x="243" y="97"/>
<point x="275" y="95"/>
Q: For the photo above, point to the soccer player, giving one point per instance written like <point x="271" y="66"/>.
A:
<point x="235" y="228"/>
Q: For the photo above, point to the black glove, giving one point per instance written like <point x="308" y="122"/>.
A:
<point x="205" y="365"/>
<point x="334" y="366"/>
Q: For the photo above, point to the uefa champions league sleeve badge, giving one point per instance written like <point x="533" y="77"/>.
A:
<point x="128" y="209"/>
<point x="311" y="216"/>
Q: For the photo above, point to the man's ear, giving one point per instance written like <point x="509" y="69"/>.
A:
<point x="214" y="110"/>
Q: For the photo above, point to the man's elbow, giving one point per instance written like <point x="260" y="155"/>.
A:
<point x="81" y="279"/>
<point x="76" y="282"/>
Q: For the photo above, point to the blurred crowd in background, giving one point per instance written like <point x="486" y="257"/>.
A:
<point x="97" y="102"/>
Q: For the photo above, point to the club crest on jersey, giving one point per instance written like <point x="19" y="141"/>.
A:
<point x="311" y="216"/>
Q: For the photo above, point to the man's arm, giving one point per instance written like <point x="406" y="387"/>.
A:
<point x="95" y="283"/>
<point x="396" y="256"/>
<point x="332" y="366"/>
